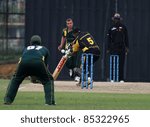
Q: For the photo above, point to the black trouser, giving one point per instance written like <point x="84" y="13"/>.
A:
<point x="74" y="61"/>
<point x="31" y="68"/>
<point x="121" y="55"/>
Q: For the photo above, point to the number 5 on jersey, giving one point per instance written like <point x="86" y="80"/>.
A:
<point x="90" y="40"/>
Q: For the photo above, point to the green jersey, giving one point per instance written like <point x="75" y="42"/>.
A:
<point x="36" y="52"/>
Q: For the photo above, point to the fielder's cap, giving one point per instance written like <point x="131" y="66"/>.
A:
<point x="36" y="39"/>
<point x="117" y="16"/>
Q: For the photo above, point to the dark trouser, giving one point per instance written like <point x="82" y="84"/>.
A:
<point x="74" y="61"/>
<point x="31" y="68"/>
<point x="121" y="63"/>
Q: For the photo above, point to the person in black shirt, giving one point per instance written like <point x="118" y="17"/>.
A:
<point x="118" y="42"/>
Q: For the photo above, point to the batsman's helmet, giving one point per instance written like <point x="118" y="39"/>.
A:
<point x="35" y="40"/>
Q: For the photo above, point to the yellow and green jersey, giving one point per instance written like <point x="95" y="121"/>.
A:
<point x="68" y="35"/>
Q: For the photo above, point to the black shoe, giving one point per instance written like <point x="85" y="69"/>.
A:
<point x="7" y="103"/>
<point x="51" y="103"/>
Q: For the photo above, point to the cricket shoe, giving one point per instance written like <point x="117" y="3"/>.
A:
<point x="7" y="103"/>
<point x="77" y="79"/>
<point x="53" y="104"/>
<point x="89" y="82"/>
<point x="78" y="83"/>
<point x="121" y="81"/>
<point x="111" y="80"/>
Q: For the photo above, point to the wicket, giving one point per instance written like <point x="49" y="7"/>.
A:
<point x="86" y="70"/>
<point x="114" y="68"/>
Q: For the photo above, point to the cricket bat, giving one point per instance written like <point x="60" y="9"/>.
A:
<point x="60" y="65"/>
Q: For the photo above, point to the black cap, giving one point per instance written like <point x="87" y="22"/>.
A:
<point x="35" y="39"/>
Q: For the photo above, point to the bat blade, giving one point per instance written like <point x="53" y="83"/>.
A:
<point x="59" y="67"/>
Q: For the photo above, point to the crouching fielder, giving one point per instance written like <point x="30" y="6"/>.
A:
<point x="32" y="63"/>
<point x="85" y="42"/>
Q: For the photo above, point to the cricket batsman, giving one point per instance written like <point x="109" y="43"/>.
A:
<point x="34" y="62"/>
<point x="85" y="42"/>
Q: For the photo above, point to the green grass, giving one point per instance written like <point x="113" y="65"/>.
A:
<point x="69" y="100"/>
